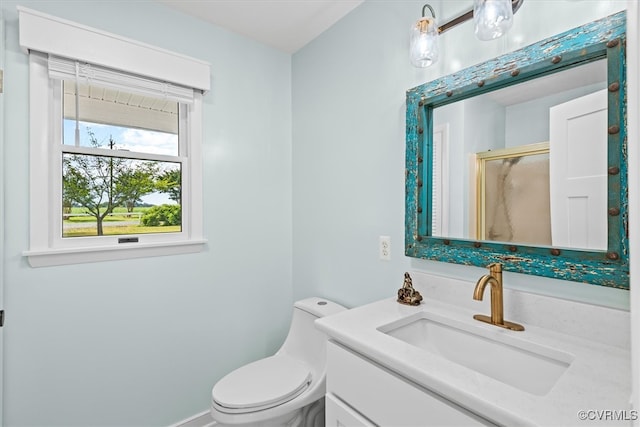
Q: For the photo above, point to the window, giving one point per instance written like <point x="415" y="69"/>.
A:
<point x="115" y="163"/>
<point x="121" y="163"/>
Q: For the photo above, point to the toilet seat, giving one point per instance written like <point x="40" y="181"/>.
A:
<point x="261" y="385"/>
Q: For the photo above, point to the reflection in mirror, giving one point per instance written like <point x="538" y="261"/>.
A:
<point x="522" y="160"/>
<point x="512" y="198"/>
<point x="504" y="149"/>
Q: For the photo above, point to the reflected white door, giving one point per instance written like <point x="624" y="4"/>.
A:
<point x="578" y="172"/>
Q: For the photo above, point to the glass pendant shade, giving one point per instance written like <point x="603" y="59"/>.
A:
<point x="492" y="18"/>
<point x="423" y="43"/>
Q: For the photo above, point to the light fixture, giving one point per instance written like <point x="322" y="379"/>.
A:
<point x="423" y="45"/>
<point x="492" y="19"/>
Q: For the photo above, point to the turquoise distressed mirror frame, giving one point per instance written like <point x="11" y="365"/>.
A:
<point x="605" y="38"/>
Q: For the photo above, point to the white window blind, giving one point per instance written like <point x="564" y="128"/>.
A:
<point x="69" y="69"/>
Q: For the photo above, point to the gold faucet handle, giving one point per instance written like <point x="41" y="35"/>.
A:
<point x="496" y="267"/>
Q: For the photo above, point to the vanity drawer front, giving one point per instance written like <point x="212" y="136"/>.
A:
<point x="385" y="398"/>
<point x="339" y="414"/>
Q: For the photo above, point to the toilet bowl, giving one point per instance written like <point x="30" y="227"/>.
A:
<point x="286" y="389"/>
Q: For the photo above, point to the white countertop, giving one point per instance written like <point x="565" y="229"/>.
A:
<point x="598" y="378"/>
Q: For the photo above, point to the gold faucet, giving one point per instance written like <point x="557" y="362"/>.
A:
<point x="494" y="278"/>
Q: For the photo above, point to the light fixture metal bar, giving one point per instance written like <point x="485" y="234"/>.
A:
<point x="465" y="16"/>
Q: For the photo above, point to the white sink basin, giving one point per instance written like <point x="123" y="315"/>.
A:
<point x="499" y="354"/>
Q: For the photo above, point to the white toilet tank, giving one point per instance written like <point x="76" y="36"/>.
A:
<point x="304" y="341"/>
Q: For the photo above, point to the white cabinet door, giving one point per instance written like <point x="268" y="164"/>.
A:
<point x="339" y="414"/>
<point x="386" y="399"/>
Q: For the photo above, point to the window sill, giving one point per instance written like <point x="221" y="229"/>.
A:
<point x="53" y="257"/>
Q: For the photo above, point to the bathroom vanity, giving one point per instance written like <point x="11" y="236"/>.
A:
<point x="360" y="388"/>
<point x="433" y="364"/>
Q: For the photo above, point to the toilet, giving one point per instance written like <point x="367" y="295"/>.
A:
<point x="286" y="389"/>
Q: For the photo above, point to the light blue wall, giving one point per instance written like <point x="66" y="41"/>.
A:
<point x="141" y="342"/>
<point x="528" y="122"/>
<point x="349" y="145"/>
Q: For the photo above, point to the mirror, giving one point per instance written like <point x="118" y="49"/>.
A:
<point x="503" y="146"/>
<point x="521" y="160"/>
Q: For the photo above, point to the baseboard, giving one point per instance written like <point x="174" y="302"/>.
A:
<point x="202" y="419"/>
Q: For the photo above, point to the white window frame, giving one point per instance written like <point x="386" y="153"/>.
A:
<point x="70" y="40"/>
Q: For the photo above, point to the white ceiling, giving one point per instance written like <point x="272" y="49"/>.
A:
<point x="286" y="25"/>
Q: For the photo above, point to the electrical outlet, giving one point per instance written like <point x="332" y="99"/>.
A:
<point x="384" y="248"/>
